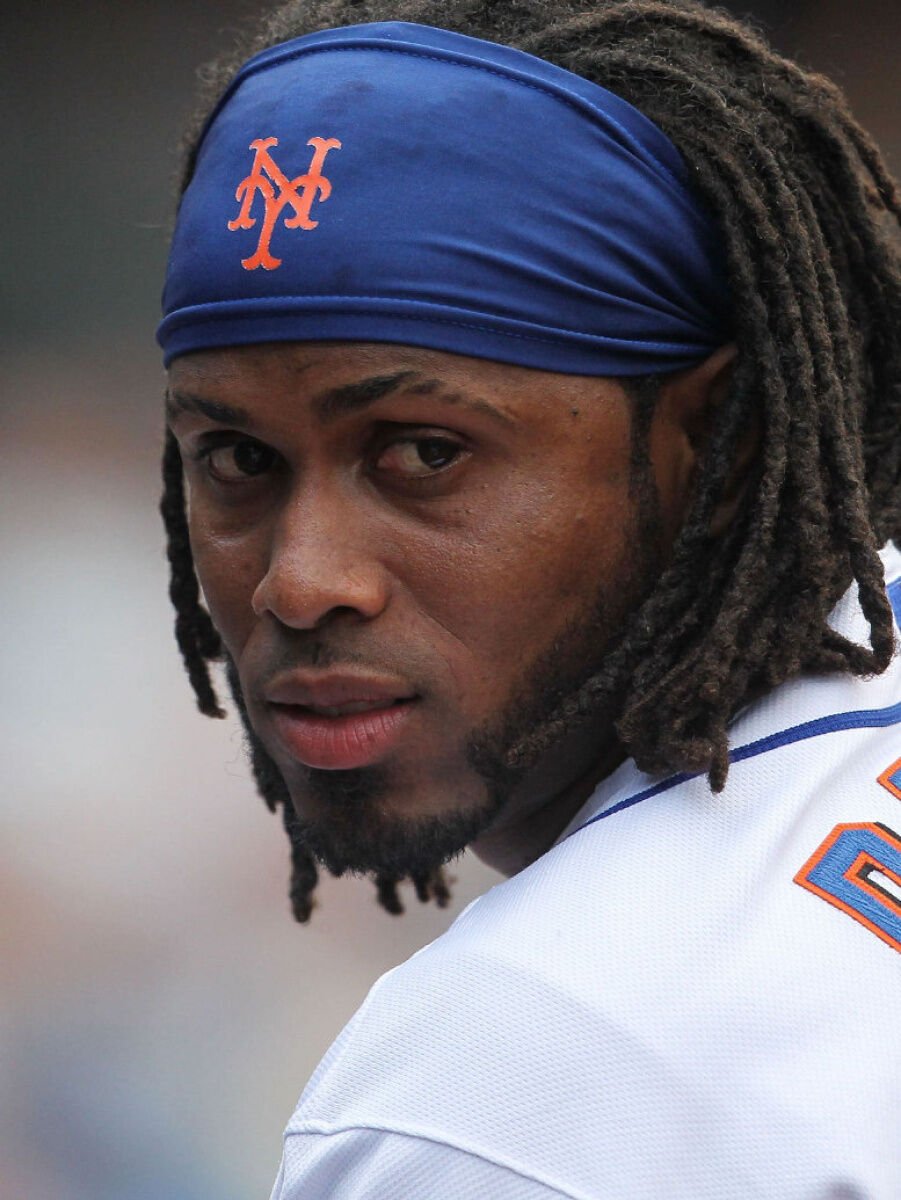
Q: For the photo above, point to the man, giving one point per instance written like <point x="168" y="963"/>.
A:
<point x="536" y="380"/>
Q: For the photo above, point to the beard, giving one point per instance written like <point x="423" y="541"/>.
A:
<point x="575" y="681"/>
<point x="359" y="837"/>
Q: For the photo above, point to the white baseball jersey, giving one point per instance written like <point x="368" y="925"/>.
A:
<point x="690" y="996"/>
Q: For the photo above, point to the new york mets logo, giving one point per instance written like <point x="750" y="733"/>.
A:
<point x="279" y="192"/>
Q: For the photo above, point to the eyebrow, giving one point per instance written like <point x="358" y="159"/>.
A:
<point x="226" y="414"/>
<point x="336" y="402"/>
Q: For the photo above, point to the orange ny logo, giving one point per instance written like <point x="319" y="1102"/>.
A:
<point x="279" y="192"/>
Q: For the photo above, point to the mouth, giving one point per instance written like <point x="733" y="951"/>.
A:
<point x="344" y="710"/>
<point x="339" y="737"/>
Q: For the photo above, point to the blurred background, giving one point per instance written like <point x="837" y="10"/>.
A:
<point x="160" y="1010"/>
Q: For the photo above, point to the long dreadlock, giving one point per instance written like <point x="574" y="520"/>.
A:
<point x="809" y="217"/>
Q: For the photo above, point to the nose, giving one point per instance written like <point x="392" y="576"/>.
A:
<point x="322" y="562"/>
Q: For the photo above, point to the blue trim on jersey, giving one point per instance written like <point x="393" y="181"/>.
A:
<point x="873" y="718"/>
<point x="894" y="599"/>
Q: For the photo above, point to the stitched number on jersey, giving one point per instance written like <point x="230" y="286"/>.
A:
<point x="891" y="778"/>
<point x="858" y="869"/>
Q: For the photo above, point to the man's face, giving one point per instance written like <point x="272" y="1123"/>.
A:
<point x="412" y="557"/>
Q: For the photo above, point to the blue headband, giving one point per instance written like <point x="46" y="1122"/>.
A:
<point x="398" y="183"/>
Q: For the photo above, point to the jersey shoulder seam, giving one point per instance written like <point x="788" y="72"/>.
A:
<point x="322" y="1129"/>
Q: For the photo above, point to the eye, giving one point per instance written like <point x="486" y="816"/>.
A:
<point x="419" y="457"/>
<point x="236" y="461"/>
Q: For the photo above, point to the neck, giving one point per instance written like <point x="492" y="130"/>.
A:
<point x="538" y="812"/>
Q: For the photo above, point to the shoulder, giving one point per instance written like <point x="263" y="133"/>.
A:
<point x="453" y="1066"/>
<point x="656" y="994"/>
<point x="686" y="983"/>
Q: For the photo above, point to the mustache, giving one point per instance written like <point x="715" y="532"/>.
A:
<point x="314" y="653"/>
<point x="277" y="658"/>
<point x="283" y="655"/>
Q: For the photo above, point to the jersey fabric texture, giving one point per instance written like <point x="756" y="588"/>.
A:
<point x="690" y="996"/>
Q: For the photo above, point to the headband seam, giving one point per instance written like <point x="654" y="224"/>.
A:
<point x="181" y="317"/>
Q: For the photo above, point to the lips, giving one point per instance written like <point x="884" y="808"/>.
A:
<point x="339" y="721"/>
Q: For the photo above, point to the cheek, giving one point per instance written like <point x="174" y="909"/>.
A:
<point x="558" y="564"/>
<point x="229" y="570"/>
<point x="510" y="580"/>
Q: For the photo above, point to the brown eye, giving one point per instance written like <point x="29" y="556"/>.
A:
<point x="239" y="461"/>
<point x="416" y="458"/>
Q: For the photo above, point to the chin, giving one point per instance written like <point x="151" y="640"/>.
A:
<point x="357" y="821"/>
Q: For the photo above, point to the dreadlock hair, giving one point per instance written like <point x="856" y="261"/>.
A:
<point x="808" y="217"/>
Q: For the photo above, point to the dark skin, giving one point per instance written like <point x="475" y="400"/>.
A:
<point x="442" y="524"/>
